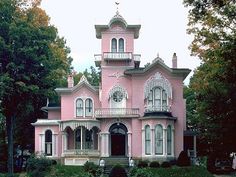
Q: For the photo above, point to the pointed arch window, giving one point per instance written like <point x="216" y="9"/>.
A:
<point x="48" y="143"/>
<point x="79" y="107"/>
<point x="88" y="107"/>
<point x="147" y="140"/>
<point x="169" y="140"/>
<point x="121" y="45"/>
<point x="113" y="45"/>
<point x="158" y="139"/>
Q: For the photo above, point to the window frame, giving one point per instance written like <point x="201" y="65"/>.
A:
<point x="159" y="139"/>
<point x="162" y="98"/>
<point x="79" y="108"/>
<point x="169" y="140"/>
<point x="89" y="107"/>
<point x="48" y="143"/>
<point x="147" y="140"/>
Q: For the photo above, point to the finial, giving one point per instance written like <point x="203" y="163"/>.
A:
<point x="157" y="54"/>
<point x="117" y="7"/>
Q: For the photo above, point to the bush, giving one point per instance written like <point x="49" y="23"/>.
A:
<point x="142" y="164"/>
<point x="118" y="171"/>
<point x="154" y="164"/>
<point x="91" y="168"/>
<point x="165" y="164"/>
<point x="38" y="166"/>
<point x="183" y="159"/>
<point x="142" y="173"/>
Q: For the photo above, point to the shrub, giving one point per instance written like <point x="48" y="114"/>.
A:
<point x="91" y="168"/>
<point x="118" y="171"/>
<point x="142" y="173"/>
<point x="132" y="171"/>
<point x="38" y="166"/>
<point x="165" y="164"/>
<point x="143" y="164"/>
<point x="154" y="164"/>
<point x="183" y="159"/>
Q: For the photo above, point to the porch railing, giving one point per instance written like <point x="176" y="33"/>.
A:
<point x="117" y="55"/>
<point x="116" y="112"/>
<point x="88" y="152"/>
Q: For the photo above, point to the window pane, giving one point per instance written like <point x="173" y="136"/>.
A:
<point x="48" y="142"/>
<point x="147" y="140"/>
<point x="169" y="140"/>
<point x="113" y="45"/>
<point x="88" y="107"/>
<point x="79" y="107"/>
<point x="158" y="139"/>
<point x="121" y="45"/>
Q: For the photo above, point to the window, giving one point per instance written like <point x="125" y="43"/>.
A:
<point x="113" y="45"/>
<point x="169" y="140"/>
<point x="121" y="45"/>
<point x="79" y="108"/>
<point x="88" y="107"/>
<point x="117" y="96"/>
<point x="157" y="100"/>
<point x="158" y="139"/>
<point x="147" y="140"/>
<point x="48" y="143"/>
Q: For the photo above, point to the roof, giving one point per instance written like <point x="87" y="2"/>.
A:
<point x="45" y="122"/>
<point x="83" y="82"/>
<point x="158" y="61"/>
<point x="117" y="19"/>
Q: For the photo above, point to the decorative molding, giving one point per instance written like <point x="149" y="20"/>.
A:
<point x="83" y="79"/>
<point x="118" y="88"/>
<point x="117" y="75"/>
<point x="157" y="80"/>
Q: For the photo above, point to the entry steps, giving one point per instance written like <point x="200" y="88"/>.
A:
<point x="110" y="162"/>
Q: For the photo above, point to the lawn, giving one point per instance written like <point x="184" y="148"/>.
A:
<point x="180" y="172"/>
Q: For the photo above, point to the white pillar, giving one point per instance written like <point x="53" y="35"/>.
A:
<point x="106" y="144"/>
<point x="42" y="144"/>
<point x="143" y="142"/>
<point x="165" y="142"/>
<point x="173" y="142"/>
<point x="81" y="137"/>
<point x="53" y="145"/>
<point x="129" y="144"/>
<point x="152" y="142"/>
<point x="56" y="145"/>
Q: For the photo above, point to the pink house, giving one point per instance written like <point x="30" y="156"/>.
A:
<point x="136" y="112"/>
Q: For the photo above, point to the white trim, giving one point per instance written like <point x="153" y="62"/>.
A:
<point x="117" y="43"/>
<point x="83" y="98"/>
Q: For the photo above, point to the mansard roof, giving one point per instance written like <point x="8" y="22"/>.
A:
<point x="183" y="72"/>
<point x="83" y="82"/>
<point x="117" y="19"/>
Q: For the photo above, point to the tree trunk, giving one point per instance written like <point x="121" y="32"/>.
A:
<point x="10" y="124"/>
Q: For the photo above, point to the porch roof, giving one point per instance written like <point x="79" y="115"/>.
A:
<point x="73" y="124"/>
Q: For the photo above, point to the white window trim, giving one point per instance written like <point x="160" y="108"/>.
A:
<point x="83" y="99"/>
<point x="117" y="42"/>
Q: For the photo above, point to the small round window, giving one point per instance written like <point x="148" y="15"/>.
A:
<point x="118" y="96"/>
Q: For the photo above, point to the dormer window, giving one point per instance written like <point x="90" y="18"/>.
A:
<point x="113" y="45"/>
<point x="121" y="45"/>
<point x="88" y="107"/>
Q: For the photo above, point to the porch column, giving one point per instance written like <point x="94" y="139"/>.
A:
<point x="173" y="142"/>
<point x="143" y="142"/>
<point x="165" y="141"/>
<point x="55" y="145"/>
<point x="42" y="144"/>
<point x="152" y="141"/>
<point x="64" y="142"/>
<point x="129" y="144"/>
<point x="81" y="138"/>
<point x="104" y="144"/>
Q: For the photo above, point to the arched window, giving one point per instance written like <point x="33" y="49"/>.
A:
<point x="88" y="107"/>
<point x="121" y="45"/>
<point x="79" y="107"/>
<point x="48" y="143"/>
<point x="147" y="140"/>
<point x="169" y="140"/>
<point x="158" y="139"/>
<point x="157" y="100"/>
<point x="113" y="45"/>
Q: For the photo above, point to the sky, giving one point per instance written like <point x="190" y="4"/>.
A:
<point x="163" y="28"/>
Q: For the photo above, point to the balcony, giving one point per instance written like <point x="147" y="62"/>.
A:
<point x="116" y="112"/>
<point x="157" y="111"/>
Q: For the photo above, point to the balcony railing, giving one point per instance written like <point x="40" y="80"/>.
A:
<point x="136" y="57"/>
<point x="79" y="152"/>
<point x="117" y="55"/>
<point x="157" y="109"/>
<point x="117" y="112"/>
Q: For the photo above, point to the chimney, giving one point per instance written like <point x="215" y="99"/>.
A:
<point x="174" y="61"/>
<point x="70" y="81"/>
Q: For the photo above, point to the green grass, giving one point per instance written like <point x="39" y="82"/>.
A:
<point x="180" y="172"/>
<point x="67" y="171"/>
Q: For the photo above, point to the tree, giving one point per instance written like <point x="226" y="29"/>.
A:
<point x="213" y="24"/>
<point x="33" y="60"/>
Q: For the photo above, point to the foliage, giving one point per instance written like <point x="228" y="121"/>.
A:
<point x="183" y="159"/>
<point x="154" y="164"/>
<point x="143" y="164"/>
<point x="118" y="171"/>
<point x="38" y="166"/>
<point x="141" y="172"/>
<point x="165" y="164"/>
<point x="213" y="24"/>
<point x="91" y="168"/>
<point x="193" y="171"/>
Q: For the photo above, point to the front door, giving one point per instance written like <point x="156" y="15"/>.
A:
<point x="118" y="139"/>
<point x="117" y="145"/>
